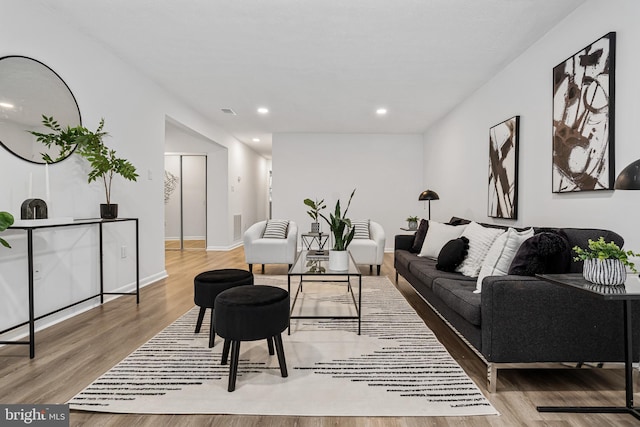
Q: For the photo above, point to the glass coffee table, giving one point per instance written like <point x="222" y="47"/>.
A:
<point x="309" y="267"/>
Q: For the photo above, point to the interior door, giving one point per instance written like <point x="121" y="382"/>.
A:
<point x="185" y="199"/>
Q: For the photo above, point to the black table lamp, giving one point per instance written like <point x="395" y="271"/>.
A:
<point x="429" y="195"/>
<point x="629" y="178"/>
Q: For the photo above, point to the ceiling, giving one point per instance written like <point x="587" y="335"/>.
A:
<point x="319" y="66"/>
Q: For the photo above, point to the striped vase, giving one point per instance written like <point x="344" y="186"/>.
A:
<point x="604" y="271"/>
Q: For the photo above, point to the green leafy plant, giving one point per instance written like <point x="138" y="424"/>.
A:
<point x="340" y="226"/>
<point x="315" y="207"/>
<point x="412" y="219"/>
<point x="6" y="221"/>
<point x="90" y="145"/>
<point x="599" y="249"/>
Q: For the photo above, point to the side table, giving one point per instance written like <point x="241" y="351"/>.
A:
<point x="626" y="293"/>
<point x="309" y="239"/>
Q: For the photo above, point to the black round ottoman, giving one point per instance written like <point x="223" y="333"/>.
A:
<point x="207" y="286"/>
<point x="249" y="313"/>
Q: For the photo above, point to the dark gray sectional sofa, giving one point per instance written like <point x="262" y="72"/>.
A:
<point x="521" y="320"/>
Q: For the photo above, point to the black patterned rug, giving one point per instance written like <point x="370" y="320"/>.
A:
<point x="396" y="367"/>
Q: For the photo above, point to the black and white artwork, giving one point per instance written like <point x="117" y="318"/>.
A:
<point x="583" y="107"/>
<point x="503" y="169"/>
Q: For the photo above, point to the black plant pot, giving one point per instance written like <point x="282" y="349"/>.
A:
<point x="108" y="211"/>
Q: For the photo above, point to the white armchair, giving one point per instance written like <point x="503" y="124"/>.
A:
<point x="259" y="250"/>
<point x="370" y="251"/>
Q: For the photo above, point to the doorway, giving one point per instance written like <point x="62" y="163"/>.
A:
<point x="185" y="201"/>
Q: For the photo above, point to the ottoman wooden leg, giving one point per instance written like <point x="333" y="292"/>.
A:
<point x="225" y="352"/>
<point x="200" y="318"/>
<point x="233" y="367"/>
<point x="212" y="332"/>
<point x="281" y="360"/>
<point x="270" y="345"/>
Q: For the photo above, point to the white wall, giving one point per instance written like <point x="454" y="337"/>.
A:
<point x="134" y="109"/>
<point x="385" y="170"/>
<point x="456" y="150"/>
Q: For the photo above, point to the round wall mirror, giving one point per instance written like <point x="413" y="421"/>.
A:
<point x="28" y="90"/>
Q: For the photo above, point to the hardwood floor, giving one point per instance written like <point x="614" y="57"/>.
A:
<point x="73" y="353"/>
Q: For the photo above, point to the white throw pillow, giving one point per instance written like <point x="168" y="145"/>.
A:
<point x="276" y="229"/>
<point x="501" y="254"/>
<point x="480" y="241"/>
<point x="437" y="236"/>
<point x="362" y="229"/>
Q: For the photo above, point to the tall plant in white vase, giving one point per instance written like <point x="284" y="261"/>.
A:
<point x="343" y="232"/>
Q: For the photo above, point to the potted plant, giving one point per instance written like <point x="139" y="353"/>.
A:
<point x="343" y="233"/>
<point x="6" y="221"/>
<point x="103" y="161"/>
<point x="604" y="263"/>
<point x="314" y="212"/>
<point x="412" y="222"/>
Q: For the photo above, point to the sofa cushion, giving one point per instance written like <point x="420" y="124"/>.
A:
<point x="545" y="252"/>
<point x="501" y="254"/>
<point x="459" y="296"/>
<point x="480" y="241"/>
<point x="452" y="254"/>
<point x="419" y="236"/>
<point x="438" y="235"/>
<point x="425" y="270"/>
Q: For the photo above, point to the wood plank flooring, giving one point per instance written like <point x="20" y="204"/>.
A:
<point x="73" y="353"/>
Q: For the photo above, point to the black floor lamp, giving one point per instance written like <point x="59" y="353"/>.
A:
<point x="429" y="195"/>
<point x="629" y="178"/>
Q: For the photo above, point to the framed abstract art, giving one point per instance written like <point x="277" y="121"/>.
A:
<point x="583" y="119"/>
<point x="503" y="169"/>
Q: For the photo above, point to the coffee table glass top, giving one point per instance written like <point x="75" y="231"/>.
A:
<point x="630" y="290"/>
<point x="304" y="266"/>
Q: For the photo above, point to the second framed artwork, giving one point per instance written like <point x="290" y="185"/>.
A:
<point x="503" y="169"/>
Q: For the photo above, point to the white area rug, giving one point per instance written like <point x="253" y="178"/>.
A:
<point x="395" y="368"/>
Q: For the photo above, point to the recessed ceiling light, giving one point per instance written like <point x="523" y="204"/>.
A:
<point x="6" y="105"/>
<point x="256" y="139"/>
<point x="381" y="111"/>
<point x="263" y="110"/>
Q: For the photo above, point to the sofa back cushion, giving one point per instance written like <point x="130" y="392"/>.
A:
<point x="580" y="237"/>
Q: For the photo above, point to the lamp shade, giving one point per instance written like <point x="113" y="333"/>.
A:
<point x="629" y="178"/>
<point x="428" y="195"/>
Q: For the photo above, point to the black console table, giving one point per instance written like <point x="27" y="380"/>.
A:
<point x="34" y="225"/>
<point x="626" y="293"/>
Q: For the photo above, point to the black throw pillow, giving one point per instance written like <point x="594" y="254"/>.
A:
<point x="452" y="254"/>
<point x="544" y="253"/>
<point x="419" y="236"/>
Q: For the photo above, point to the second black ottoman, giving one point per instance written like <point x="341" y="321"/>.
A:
<point x="207" y="286"/>
<point x="249" y="313"/>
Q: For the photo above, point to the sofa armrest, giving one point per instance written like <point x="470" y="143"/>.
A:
<point x="526" y="319"/>
<point x="403" y="241"/>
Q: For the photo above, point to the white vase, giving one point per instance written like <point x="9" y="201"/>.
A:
<point x="338" y="260"/>
<point x="604" y="271"/>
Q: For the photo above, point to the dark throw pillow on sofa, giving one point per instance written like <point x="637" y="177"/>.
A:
<point x="418" y="238"/>
<point x="546" y="252"/>
<point x="452" y="254"/>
